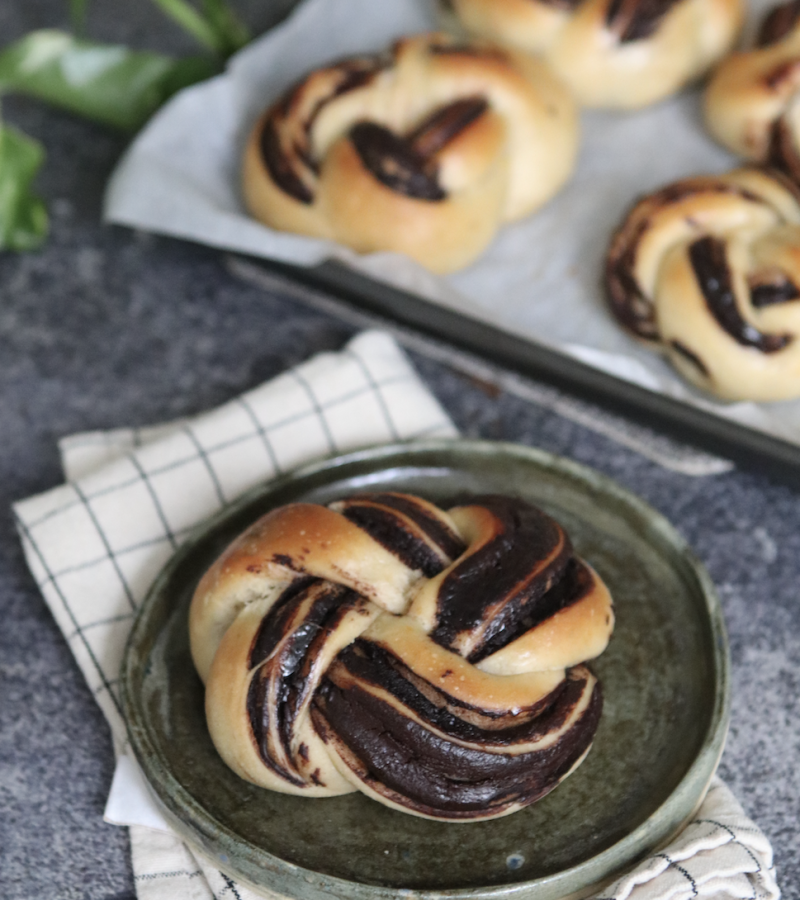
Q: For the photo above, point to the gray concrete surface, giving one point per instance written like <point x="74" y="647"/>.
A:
<point x="105" y="327"/>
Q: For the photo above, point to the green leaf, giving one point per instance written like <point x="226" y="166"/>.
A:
<point x="77" y="14"/>
<point x="215" y="26"/>
<point x="23" y="217"/>
<point x="231" y="30"/>
<point x="192" y="21"/>
<point x="104" y="82"/>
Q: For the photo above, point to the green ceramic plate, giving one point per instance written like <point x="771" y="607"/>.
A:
<point x="665" y="678"/>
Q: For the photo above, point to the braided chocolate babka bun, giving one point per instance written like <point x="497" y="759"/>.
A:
<point x="432" y="660"/>
<point x="425" y="150"/>
<point x="621" y="54"/>
<point x="752" y="104"/>
<point x="708" y="270"/>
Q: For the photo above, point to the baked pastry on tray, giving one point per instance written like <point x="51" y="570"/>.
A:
<point x="707" y="270"/>
<point x="619" y="54"/>
<point x="425" y="150"/>
<point x="432" y="659"/>
<point x="752" y="104"/>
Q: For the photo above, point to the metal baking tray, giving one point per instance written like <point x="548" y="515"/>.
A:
<point x="347" y="292"/>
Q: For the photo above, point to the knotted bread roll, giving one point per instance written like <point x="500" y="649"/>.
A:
<point x="425" y="150"/>
<point x="708" y="270"/>
<point x="620" y="54"/>
<point x="752" y="105"/>
<point x="431" y="659"/>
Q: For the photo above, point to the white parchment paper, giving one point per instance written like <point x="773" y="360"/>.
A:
<point x="541" y="278"/>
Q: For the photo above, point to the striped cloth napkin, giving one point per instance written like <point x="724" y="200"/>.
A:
<point x="95" y="544"/>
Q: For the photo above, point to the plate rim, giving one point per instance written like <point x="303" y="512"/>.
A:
<point x="573" y="882"/>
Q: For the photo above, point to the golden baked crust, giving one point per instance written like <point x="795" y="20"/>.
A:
<point x="752" y="104"/>
<point x="425" y="150"/>
<point x="619" y="54"/>
<point x="708" y="271"/>
<point x="431" y="659"/>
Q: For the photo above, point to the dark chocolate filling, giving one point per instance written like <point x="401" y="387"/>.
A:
<point x="449" y="542"/>
<point x="353" y="74"/>
<point x="432" y="773"/>
<point x="280" y="166"/>
<point x="771" y="293"/>
<point x="390" y="531"/>
<point x="625" y="296"/>
<point x="778" y="23"/>
<point x="443" y="125"/>
<point x="476" y="51"/>
<point x="626" y="299"/>
<point x="406" y="164"/>
<point x="636" y="20"/>
<point x="273" y="625"/>
<point x="782" y="152"/>
<point x="691" y="357"/>
<point x="574" y="585"/>
<point x="710" y="264"/>
<point x="291" y="669"/>
<point x="507" y="573"/>
<point x="384" y="526"/>
<point x="394" y="162"/>
<point x="374" y="665"/>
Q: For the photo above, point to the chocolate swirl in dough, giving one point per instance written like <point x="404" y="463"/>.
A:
<point x="611" y="53"/>
<point x="425" y="150"/>
<point x="431" y="659"/>
<point x="708" y="270"/>
<point x="752" y="104"/>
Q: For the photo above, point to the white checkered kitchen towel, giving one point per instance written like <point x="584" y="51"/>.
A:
<point x="96" y="543"/>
